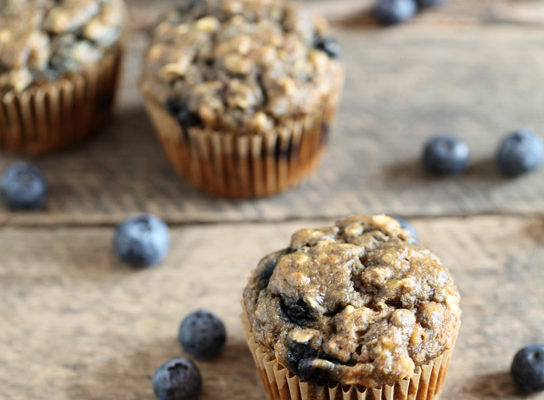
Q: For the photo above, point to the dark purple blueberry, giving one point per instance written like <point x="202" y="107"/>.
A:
<point x="298" y="351"/>
<point x="407" y="227"/>
<point x="23" y="187"/>
<point x="301" y="359"/>
<point x="268" y="265"/>
<point x="309" y="372"/>
<point x="177" y="379"/>
<point x="185" y="117"/>
<point x="520" y="153"/>
<point x="430" y="3"/>
<point x="202" y="334"/>
<point x="329" y="46"/>
<point x="528" y="368"/>
<point x="392" y="12"/>
<point x="142" y="241"/>
<point x="297" y="311"/>
<point x="446" y="155"/>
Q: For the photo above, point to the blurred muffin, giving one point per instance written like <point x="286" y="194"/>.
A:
<point x="241" y="93"/>
<point x="356" y="310"/>
<point x="59" y="64"/>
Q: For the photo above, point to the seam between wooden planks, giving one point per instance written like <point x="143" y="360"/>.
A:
<point x="6" y="224"/>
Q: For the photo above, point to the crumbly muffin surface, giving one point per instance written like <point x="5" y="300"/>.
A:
<point x="356" y="303"/>
<point x="41" y="40"/>
<point x="244" y="66"/>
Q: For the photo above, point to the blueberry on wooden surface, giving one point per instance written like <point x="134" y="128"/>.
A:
<point x="142" y="241"/>
<point x="528" y="368"/>
<point x="23" y="187"/>
<point x="177" y="379"/>
<point x="430" y="3"/>
<point x="446" y="155"/>
<point x="393" y="12"/>
<point x="520" y="153"/>
<point x="202" y="334"/>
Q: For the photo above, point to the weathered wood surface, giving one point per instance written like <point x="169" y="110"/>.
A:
<point x="477" y="77"/>
<point x="76" y="324"/>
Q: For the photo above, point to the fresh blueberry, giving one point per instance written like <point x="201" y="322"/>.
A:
<point x="446" y="155"/>
<point x="392" y="12"/>
<point x="23" y="187"/>
<point x="429" y="3"/>
<point x="407" y="227"/>
<point x="528" y="368"/>
<point x="202" y="334"/>
<point x="521" y="152"/>
<point x="142" y="241"/>
<point x="329" y="46"/>
<point x="177" y="379"/>
<point x="185" y="117"/>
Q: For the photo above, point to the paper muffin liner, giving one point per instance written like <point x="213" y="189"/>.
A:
<point x="231" y="165"/>
<point x="281" y="384"/>
<point x="57" y="115"/>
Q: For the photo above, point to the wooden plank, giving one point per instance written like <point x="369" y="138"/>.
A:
<point x="76" y="324"/>
<point x="403" y="85"/>
<point x="456" y="12"/>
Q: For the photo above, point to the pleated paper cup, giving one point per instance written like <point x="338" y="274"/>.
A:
<point x="281" y="384"/>
<point x="59" y="114"/>
<point x="228" y="164"/>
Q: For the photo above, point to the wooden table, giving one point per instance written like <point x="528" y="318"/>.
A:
<point x="77" y="324"/>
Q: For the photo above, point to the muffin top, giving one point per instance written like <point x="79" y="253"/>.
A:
<point x="357" y="303"/>
<point x="242" y="66"/>
<point x="40" y="40"/>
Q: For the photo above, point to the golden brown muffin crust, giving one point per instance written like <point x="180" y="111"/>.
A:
<point x="242" y="66"/>
<point x="357" y="303"/>
<point x="41" y="40"/>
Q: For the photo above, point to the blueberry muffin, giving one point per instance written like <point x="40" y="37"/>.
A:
<point x="357" y="307"/>
<point x="242" y="93"/>
<point x="59" y="61"/>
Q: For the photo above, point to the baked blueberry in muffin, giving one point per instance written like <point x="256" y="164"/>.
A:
<point x="357" y="303"/>
<point x="256" y="81"/>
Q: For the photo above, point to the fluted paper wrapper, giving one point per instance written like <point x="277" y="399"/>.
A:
<point x="59" y="114"/>
<point x="231" y="165"/>
<point x="281" y="384"/>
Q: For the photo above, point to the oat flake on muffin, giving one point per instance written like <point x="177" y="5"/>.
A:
<point x="41" y="40"/>
<point x="241" y="66"/>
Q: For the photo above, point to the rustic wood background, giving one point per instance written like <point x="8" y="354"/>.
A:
<point x="77" y="324"/>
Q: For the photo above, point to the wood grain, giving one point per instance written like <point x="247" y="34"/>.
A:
<point x="455" y="12"/>
<point x="476" y="78"/>
<point x="76" y="324"/>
